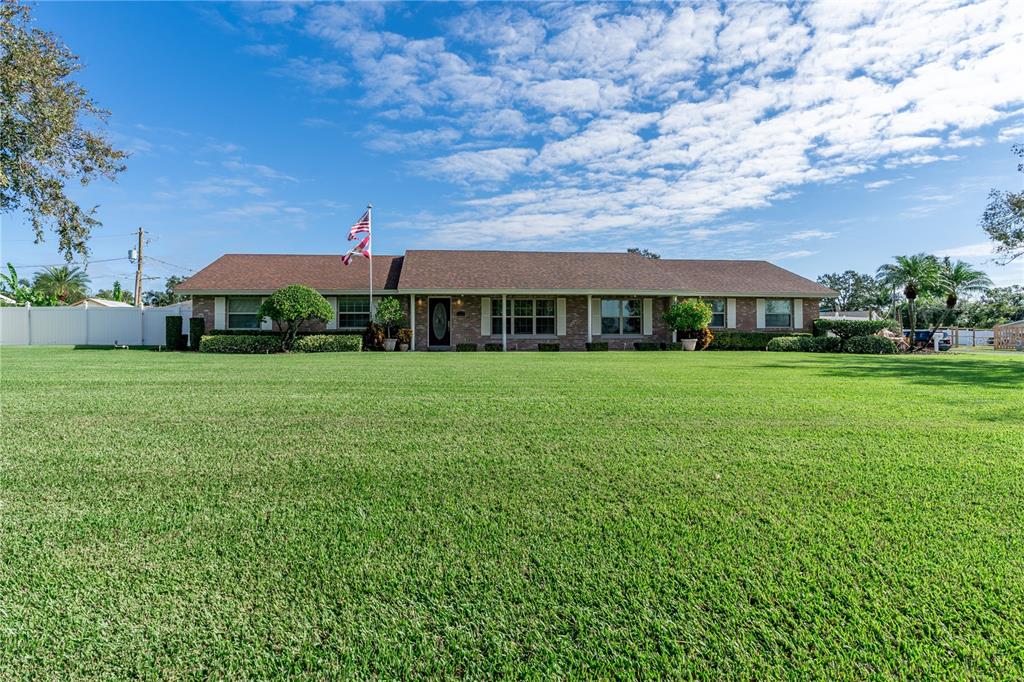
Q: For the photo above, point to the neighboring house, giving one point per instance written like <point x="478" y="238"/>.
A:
<point x="100" y="303"/>
<point x="459" y="296"/>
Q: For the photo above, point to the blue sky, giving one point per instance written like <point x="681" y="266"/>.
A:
<point x="822" y="136"/>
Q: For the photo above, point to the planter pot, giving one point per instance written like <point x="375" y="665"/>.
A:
<point x="689" y="344"/>
<point x="389" y="344"/>
<point x="403" y="347"/>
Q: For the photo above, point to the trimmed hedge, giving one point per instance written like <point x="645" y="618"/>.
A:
<point x="173" y="338"/>
<point x="492" y="347"/>
<point x="269" y="332"/>
<point x="224" y="343"/>
<point x="597" y="346"/>
<point x="673" y="345"/>
<point x="869" y="345"/>
<point x="196" y="331"/>
<point x="846" y="329"/>
<point x="328" y="343"/>
<point x="548" y="347"/>
<point x="465" y="348"/>
<point x="805" y="344"/>
<point x="745" y="340"/>
<point x="646" y="345"/>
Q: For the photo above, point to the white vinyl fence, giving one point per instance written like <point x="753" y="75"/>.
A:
<point x="93" y="326"/>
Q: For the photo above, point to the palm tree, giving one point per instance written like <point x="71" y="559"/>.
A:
<point x="956" y="280"/>
<point x="916" y="274"/>
<point x="67" y="284"/>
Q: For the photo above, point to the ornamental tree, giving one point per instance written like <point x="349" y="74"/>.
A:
<point x="389" y="314"/>
<point x="292" y="305"/>
<point x="688" y="317"/>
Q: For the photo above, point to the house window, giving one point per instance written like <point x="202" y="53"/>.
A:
<point x="524" y="316"/>
<point x="717" y="311"/>
<point x="353" y="312"/>
<point x="244" y="313"/>
<point x="620" y="317"/>
<point x="778" y="312"/>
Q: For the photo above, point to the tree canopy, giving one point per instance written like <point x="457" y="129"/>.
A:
<point x="644" y="252"/>
<point x="1003" y="218"/>
<point x="49" y="140"/>
<point x="66" y="283"/>
<point x="856" y="291"/>
<point x="292" y="305"/>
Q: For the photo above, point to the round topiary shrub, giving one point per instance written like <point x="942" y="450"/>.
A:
<point x="292" y="305"/>
<point x="785" y="344"/>
<point x="869" y="345"/>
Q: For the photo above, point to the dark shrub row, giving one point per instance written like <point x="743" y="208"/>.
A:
<point x="175" y="340"/>
<point x="548" y="347"/>
<point x="597" y="346"/>
<point x="271" y="343"/>
<point x="846" y="329"/>
<point x="805" y="344"/>
<point x="196" y="331"/>
<point x="465" y="348"/>
<point x="745" y="340"/>
<point x="328" y="343"/>
<point x="646" y="345"/>
<point x="869" y="345"/>
<point x="492" y="347"/>
<point x="268" y="332"/>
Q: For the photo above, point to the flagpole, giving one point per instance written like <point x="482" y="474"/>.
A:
<point x="369" y="247"/>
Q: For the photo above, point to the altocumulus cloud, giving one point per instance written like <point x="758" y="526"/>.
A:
<point x="573" y="119"/>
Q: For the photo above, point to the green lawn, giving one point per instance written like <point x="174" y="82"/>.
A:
<point x="742" y="515"/>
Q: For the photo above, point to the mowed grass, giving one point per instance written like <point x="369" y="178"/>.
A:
<point x="742" y="515"/>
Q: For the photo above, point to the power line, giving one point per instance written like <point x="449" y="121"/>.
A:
<point x="57" y="265"/>
<point x="182" y="267"/>
<point x="101" y="236"/>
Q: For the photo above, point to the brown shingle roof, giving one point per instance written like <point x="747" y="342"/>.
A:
<point x="269" y="272"/>
<point x="583" y="271"/>
<point x="467" y="271"/>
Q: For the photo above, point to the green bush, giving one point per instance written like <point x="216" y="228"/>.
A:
<point x="548" y="347"/>
<point x="328" y="343"/>
<point x="465" y="348"/>
<point x="492" y="347"/>
<point x="805" y="344"/>
<point x="239" y="344"/>
<point x="745" y="340"/>
<point x="389" y="314"/>
<point x="293" y="305"/>
<point x="647" y="345"/>
<point x="373" y="337"/>
<point x="870" y="345"/>
<point x="404" y="335"/>
<point x="673" y="345"/>
<point x="173" y="338"/>
<point x="784" y="344"/>
<point x="597" y="346"/>
<point x="196" y="331"/>
<point x="688" y="317"/>
<point x="275" y="333"/>
<point x="846" y="329"/>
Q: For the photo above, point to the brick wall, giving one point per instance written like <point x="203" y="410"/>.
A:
<point x="204" y="306"/>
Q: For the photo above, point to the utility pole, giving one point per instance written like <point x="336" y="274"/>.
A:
<point x="138" y="272"/>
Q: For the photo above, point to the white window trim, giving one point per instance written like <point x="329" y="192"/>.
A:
<point x="621" y="317"/>
<point x="338" y="312"/>
<point x="228" y="314"/>
<point x="511" y="303"/>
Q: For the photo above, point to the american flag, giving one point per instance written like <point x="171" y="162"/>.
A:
<point x="362" y="225"/>
<point x="362" y="247"/>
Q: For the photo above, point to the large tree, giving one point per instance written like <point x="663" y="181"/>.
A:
<point x="46" y="124"/>
<point x="646" y="253"/>
<point x="916" y="275"/>
<point x="956" y="280"/>
<point x="996" y="306"/>
<point x="856" y="291"/>
<point x="167" y="296"/>
<point x="1003" y="218"/>
<point x="66" y="283"/>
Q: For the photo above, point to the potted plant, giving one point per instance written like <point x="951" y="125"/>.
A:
<point x="389" y="315"/>
<point x="404" y="338"/>
<point x="688" y="318"/>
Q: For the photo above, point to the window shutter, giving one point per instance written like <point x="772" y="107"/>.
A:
<point x="798" y="313"/>
<point x="333" y="322"/>
<point x="648" y="322"/>
<point x="560" y="316"/>
<point x="760" y="313"/>
<point x="220" y="312"/>
<point x="267" y="323"/>
<point x="730" y="313"/>
<point x="485" y="316"/>
<point x="595" y="316"/>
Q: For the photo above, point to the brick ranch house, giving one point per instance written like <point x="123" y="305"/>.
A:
<point x="458" y="296"/>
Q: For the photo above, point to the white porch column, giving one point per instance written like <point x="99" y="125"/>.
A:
<point x="412" y="320"/>
<point x="590" y="319"/>
<point x="504" y="323"/>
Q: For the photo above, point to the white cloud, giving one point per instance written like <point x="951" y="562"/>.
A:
<point x="258" y="169"/>
<point x="1012" y="133"/>
<point x="317" y="73"/>
<point x="790" y="255"/>
<point x="491" y="165"/>
<point x="878" y="184"/>
<point x="809" y="234"/>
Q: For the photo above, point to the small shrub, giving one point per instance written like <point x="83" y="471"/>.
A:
<point x="784" y="344"/>
<point x="846" y="329"/>
<point x="389" y="314"/>
<point x="548" y="347"/>
<point x="239" y="344"/>
<point x="869" y="345"/>
<point x="673" y="345"/>
<point x="196" y="330"/>
<point x="704" y="338"/>
<point x="492" y="347"/>
<point x="597" y="346"/>
<point x="465" y="348"/>
<point x="821" y="344"/>
<point x="688" y="317"/>
<point x="647" y="345"/>
<point x="404" y="335"/>
<point x="373" y="337"/>
<point x="324" y="343"/>
<point x="172" y="331"/>
<point x="289" y="307"/>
